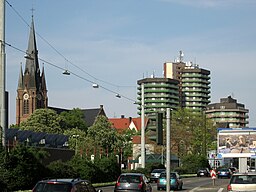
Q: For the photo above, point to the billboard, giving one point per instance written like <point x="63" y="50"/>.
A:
<point x="236" y="142"/>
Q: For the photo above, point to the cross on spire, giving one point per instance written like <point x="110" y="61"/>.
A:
<point x="32" y="11"/>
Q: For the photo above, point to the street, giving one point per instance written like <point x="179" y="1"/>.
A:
<point x="193" y="184"/>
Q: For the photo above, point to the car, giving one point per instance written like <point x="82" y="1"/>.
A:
<point x="224" y="173"/>
<point x="203" y="172"/>
<point x="175" y="181"/>
<point x="64" y="185"/>
<point x="132" y="182"/>
<point x="242" y="182"/>
<point x="233" y="169"/>
<point x="154" y="175"/>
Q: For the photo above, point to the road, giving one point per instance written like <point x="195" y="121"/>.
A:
<point x="193" y="184"/>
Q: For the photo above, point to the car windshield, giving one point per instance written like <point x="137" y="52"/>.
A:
<point x="243" y="179"/>
<point x="53" y="187"/>
<point x="172" y="175"/>
<point x="129" y="179"/>
<point x="158" y="170"/>
<point x="223" y="169"/>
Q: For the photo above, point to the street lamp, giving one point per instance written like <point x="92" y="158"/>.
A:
<point x="76" y="137"/>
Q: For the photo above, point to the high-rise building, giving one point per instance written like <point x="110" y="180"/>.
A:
<point x="228" y="113"/>
<point x="195" y="83"/>
<point x="158" y="93"/>
<point x="31" y="91"/>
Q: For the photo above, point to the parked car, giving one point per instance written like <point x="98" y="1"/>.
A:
<point x="64" y="185"/>
<point x="154" y="175"/>
<point x="224" y="173"/>
<point x="233" y="169"/>
<point x="203" y="172"/>
<point x="242" y="182"/>
<point x="132" y="182"/>
<point x="175" y="181"/>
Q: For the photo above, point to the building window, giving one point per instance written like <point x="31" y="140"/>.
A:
<point x="222" y="107"/>
<point x="25" y="107"/>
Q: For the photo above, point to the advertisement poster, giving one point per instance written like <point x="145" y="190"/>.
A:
<point x="237" y="142"/>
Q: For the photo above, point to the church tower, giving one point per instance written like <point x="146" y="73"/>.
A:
<point x="31" y="91"/>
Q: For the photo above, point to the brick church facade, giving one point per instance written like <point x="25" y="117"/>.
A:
<point x="31" y="91"/>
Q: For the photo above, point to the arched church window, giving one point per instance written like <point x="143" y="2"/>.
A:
<point x="25" y="107"/>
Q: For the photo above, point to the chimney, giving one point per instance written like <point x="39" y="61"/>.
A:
<point x="122" y="116"/>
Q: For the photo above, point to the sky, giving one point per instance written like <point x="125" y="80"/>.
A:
<point x="114" y="43"/>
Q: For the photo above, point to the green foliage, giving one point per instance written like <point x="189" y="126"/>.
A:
<point x="59" y="169"/>
<point x="77" y="138"/>
<point x="43" y="120"/>
<point x="103" y="135"/>
<point x="20" y="168"/>
<point x="109" y="168"/>
<point x="86" y="169"/>
<point x="192" y="162"/>
<point x="73" y="119"/>
<point x="192" y="132"/>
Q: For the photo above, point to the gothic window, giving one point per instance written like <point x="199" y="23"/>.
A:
<point x="25" y="107"/>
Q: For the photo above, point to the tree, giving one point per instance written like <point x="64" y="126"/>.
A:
<point x="43" y="120"/>
<point x="192" y="162"/>
<point x="191" y="132"/>
<point x="77" y="138"/>
<point x="20" y="167"/>
<point x="103" y="135"/>
<point x="73" y="119"/>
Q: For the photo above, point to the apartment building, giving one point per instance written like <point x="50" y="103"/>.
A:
<point x="157" y="94"/>
<point x="229" y="113"/>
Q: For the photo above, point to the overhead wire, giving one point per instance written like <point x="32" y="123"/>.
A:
<point x="56" y="66"/>
<point x="58" y="52"/>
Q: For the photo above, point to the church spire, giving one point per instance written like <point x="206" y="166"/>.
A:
<point x="20" y="83"/>
<point x="31" y="92"/>
<point x="32" y="71"/>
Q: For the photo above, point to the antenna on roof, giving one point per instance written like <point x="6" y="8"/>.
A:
<point x="181" y="56"/>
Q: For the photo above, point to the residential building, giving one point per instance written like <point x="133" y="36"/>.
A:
<point x="158" y="93"/>
<point x="229" y="112"/>
<point x="195" y="83"/>
<point x="173" y="70"/>
<point x="90" y="115"/>
<point x="122" y="124"/>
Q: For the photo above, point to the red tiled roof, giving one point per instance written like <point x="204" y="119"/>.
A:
<point x="120" y="123"/>
<point x="137" y="122"/>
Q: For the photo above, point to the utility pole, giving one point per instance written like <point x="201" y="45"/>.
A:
<point x="142" y="127"/>
<point x="168" y="149"/>
<point x="2" y="71"/>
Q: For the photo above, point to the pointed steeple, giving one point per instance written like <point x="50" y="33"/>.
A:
<point x="32" y="71"/>
<point x="31" y="92"/>
<point x="20" y="83"/>
<point x="43" y="81"/>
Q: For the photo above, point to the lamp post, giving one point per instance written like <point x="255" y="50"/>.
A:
<point x="204" y="142"/>
<point x="168" y="148"/>
<point x="142" y="127"/>
<point x="76" y="137"/>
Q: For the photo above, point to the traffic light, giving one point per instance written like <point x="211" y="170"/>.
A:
<point x="159" y="128"/>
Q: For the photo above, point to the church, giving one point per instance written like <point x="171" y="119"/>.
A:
<point x="32" y="91"/>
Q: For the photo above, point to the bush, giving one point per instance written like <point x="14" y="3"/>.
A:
<point x="20" y="168"/>
<point x="109" y="168"/>
<point x="59" y="169"/>
<point x="191" y="163"/>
